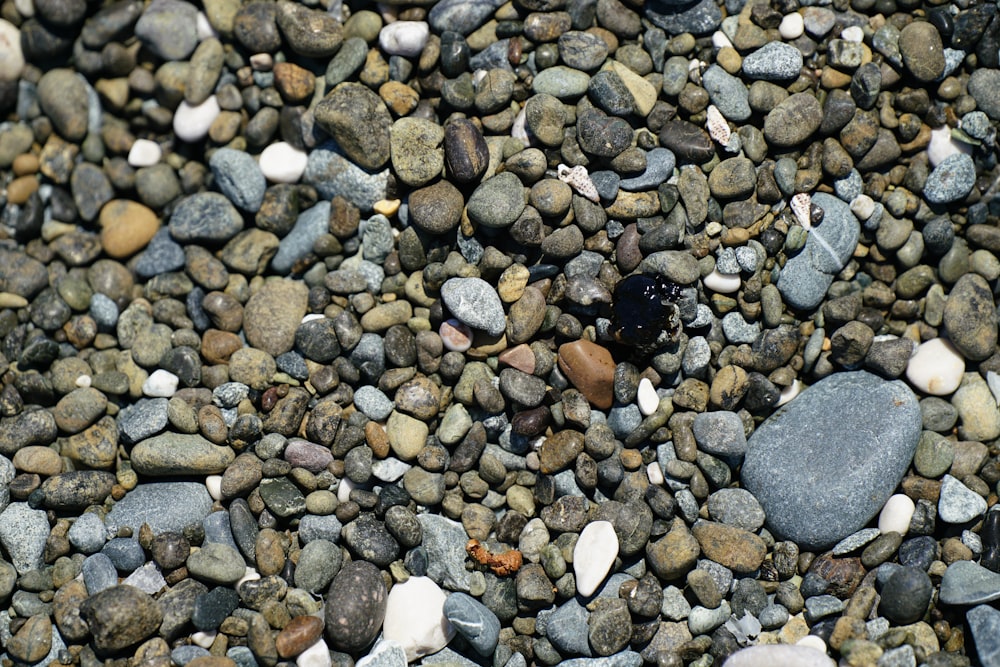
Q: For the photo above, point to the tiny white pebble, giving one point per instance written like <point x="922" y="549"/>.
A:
<point x="792" y="26"/>
<point x="722" y="283"/>
<point x="317" y="655"/>
<point x="942" y="146"/>
<point x="896" y="514"/>
<point x="191" y="123"/>
<point x="83" y="381"/>
<point x="852" y="33"/>
<point x="789" y="392"/>
<point x="204" y="27"/>
<point x="812" y="641"/>
<point x="160" y="384"/>
<point x="214" y="485"/>
<point x="646" y="398"/>
<point x="719" y="40"/>
<point x="344" y="489"/>
<point x="144" y="153"/>
<point x="204" y="639"/>
<point x="654" y="474"/>
<point x="249" y="574"/>
<point x="283" y="163"/>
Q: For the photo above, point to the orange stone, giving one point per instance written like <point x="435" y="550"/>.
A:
<point x="300" y="633"/>
<point x="520" y="357"/>
<point x="591" y="369"/>
<point x="126" y="227"/>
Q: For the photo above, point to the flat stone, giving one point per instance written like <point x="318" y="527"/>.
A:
<point x="968" y="583"/>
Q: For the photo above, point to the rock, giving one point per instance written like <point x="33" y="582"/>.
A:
<point x="23" y="533"/>
<point x="793" y="121"/>
<point x="958" y="503"/>
<point x="476" y="303"/>
<point x="497" y="202"/>
<point x="593" y="556"/>
<point x="816" y="490"/>
<point x="205" y="217"/>
<point x="474" y="621"/>
<point x="906" y="595"/>
<point x="180" y="454"/>
<point x="984" y="623"/>
<point x="239" y="177"/>
<point x="164" y="506"/>
<point x="936" y="367"/>
<point x="168" y="29"/>
<point x="970" y="317"/>
<point x="968" y="583"/>
<point x="951" y="180"/>
<point x="590" y="368"/>
<point x="775" y="61"/>
<point x="984" y="85"/>
<point x="126" y="227"/>
<point x="779" y="654"/>
<point x="739" y="550"/>
<point x="922" y="51"/>
<point x="273" y="314"/>
<point x="12" y="60"/>
<point x="62" y="94"/>
<point x="120" y="616"/>
<point x="415" y="617"/>
<point x="355" y="607"/>
<point x="359" y="122"/>
<point x="193" y="121"/>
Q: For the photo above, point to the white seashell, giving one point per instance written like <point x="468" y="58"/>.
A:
<point x="801" y="206"/>
<point x="717" y="125"/>
<point x="578" y="179"/>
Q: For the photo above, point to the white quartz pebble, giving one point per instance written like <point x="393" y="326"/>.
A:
<point x="942" y="145"/>
<point x="204" y="27"/>
<point x="862" y="207"/>
<point x="204" y="639"/>
<point x="344" y="488"/>
<point x="936" y="367"/>
<point x="404" y="38"/>
<point x="805" y="653"/>
<point x="646" y="397"/>
<point x="214" y="485"/>
<point x="83" y="381"/>
<point x="593" y="556"/>
<point x="283" y="163"/>
<point x="11" y="56"/>
<point x="160" y="384"/>
<point x="414" y="617"/>
<point x="191" y="123"/>
<point x="852" y="33"/>
<point x="723" y="283"/>
<point x="249" y="574"/>
<point x="144" y="153"/>
<point x="896" y="514"/>
<point x="814" y="642"/>
<point x="719" y="40"/>
<point x="317" y="655"/>
<point x="789" y="392"/>
<point x="792" y="26"/>
<point x="654" y="473"/>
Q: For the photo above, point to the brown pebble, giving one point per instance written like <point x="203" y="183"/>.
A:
<point x="300" y="633"/>
<point x="37" y="459"/>
<point x="25" y="163"/>
<point x="212" y="661"/>
<point x="126" y="227"/>
<point x="591" y="370"/>
<point x="270" y="556"/>
<point x="739" y="550"/>
<point x="21" y="188"/>
<point x="520" y="357"/>
<point x="33" y="641"/>
<point x="377" y="440"/>
<point x="294" y="83"/>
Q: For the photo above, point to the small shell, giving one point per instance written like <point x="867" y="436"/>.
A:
<point x="801" y="206"/>
<point x="578" y="179"/>
<point x="717" y="126"/>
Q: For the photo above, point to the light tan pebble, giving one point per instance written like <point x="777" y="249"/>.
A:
<point x="936" y="367"/>
<point x="9" y="300"/>
<point x="39" y="460"/>
<point x="896" y="514"/>
<point x="456" y="336"/>
<point x="126" y="227"/>
<point x="654" y="474"/>
<point x="214" y="485"/>
<point x="25" y="163"/>
<point x="513" y="282"/>
<point x="83" y="381"/>
<point x="21" y="188"/>
<point x="386" y="207"/>
<point x="792" y="26"/>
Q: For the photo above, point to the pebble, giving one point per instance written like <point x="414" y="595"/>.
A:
<point x="415" y="617"/>
<point x="355" y="607"/>
<point x="896" y="514"/>
<point x="593" y="556"/>
<point x="759" y="656"/>
<point x="404" y="38"/>
<point x="866" y="404"/>
<point x="23" y="533"/>
<point x="476" y="303"/>
<point x="193" y="121"/>
<point x="474" y="621"/>
<point x="144" y="153"/>
<point x="12" y="61"/>
<point x="775" y="61"/>
<point x="120" y="616"/>
<point x="958" y="503"/>
<point x="239" y="177"/>
<point x="936" y="367"/>
<point x="951" y="180"/>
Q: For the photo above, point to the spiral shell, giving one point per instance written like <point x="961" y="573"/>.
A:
<point x="578" y="179"/>
<point x="801" y="206"/>
<point x="717" y="126"/>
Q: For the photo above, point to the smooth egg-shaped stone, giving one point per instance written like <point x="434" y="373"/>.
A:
<point x="936" y="367"/>
<point x="593" y="556"/>
<point x="824" y="464"/>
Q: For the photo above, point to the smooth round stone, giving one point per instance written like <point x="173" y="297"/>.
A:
<point x="951" y="180"/>
<point x="404" y="38"/>
<point x="217" y="564"/>
<point x="240" y="179"/>
<point x="144" y="153"/>
<point x="936" y="367"/>
<point x="191" y="123"/>
<point x="970" y="317"/>
<point x="792" y="26"/>
<point x="775" y="61"/>
<point x="968" y="583"/>
<point x="475" y="302"/>
<point x="168" y="28"/>
<point x="281" y="162"/>
<point x="906" y="595"/>
<point x="120" y="616"/>
<point x="922" y="51"/>
<point x="11" y="56"/>
<point x="562" y="82"/>
<point x="87" y="533"/>
<point x="818" y="488"/>
<point x="779" y="654"/>
<point x="646" y="397"/>
<point x="415" y="618"/>
<point x="896" y="514"/>
<point x="498" y="201"/>
<point x="593" y="556"/>
<point x="723" y="283"/>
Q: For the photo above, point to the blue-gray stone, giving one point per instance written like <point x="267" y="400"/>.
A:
<point x="623" y="659"/>
<point x="104" y="310"/>
<point x="699" y="18"/>
<point x="719" y="433"/>
<point x="310" y="225"/>
<point x="293" y="364"/>
<point x="162" y="255"/>
<point x="372" y="403"/>
<point x="567" y="628"/>
<point x="821" y="606"/>
<point x="87" y="534"/>
<point x="319" y="562"/>
<point x="205" y="217"/>
<point x="623" y="419"/>
<point x="242" y="656"/>
<point x="387" y="654"/>
<point x="144" y="418"/>
<point x="474" y="621"/>
<point x="958" y="503"/>
<point x="855" y="541"/>
<point x="23" y="533"/>
<point x="849" y="187"/>
<point x="968" y="583"/>
<point x="984" y="623"/>
<point x="804" y="279"/>
<point x="168" y="28"/>
<point x="738" y="330"/>
<point x="313" y="527"/>
<point x="165" y="506"/>
<point x="607" y="184"/>
<point x="125" y="554"/>
<point x="182" y="655"/>
<point x="98" y="573"/>
<point x="369" y="356"/>
<point x="332" y="174"/>
<point x="377" y="238"/>
<point x="824" y="464"/>
<point x="461" y="16"/>
<point x="775" y="61"/>
<point x="445" y="541"/>
<point x="493" y="56"/>
<point x="660" y="164"/>
<point x="476" y="303"/>
<point x="218" y="529"/>
<point x="951" y="180"/>
<point x="727" y="92"/>
<point x="239" y="177"/>
<point x="561" y="82"/>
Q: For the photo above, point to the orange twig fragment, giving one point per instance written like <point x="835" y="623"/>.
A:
<point x="501" y="565"/>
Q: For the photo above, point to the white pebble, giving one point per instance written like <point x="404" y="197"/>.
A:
<point x="262" y="62"/>
<point x="83" y="381"/>
<point x="249" y="575"/>
<point x="895" y="516"/>
<point x="593" y="556"/>
<point x="853" y="33"/>
<point x="414" y="617"/>
<point x="531" y="461"/>
<point x="654" y="473"/>
<point x="204" y="27"/>
<point x="26" y="8"/>
<point x="813" y="641"/>
<point x="792" y="26"/>
<point x="160" y="384"/>
<point x="723" y="283"/>
<point x="789" y="393"/>
<point x="942" y="146"/>
<point x="404" y="38"/>
<point x="191" y="123"/>
<point x="317" y="655"/>
<point x="805" y="653"/>
<point x="204" y="639"/>
<point x="144" y="153"/>
<point x="214" y="485"/>
<point x="344" y="488"/>
<point x="11" y="56"/>
<point x="936" y="367"/>
<point x="309" y="317"/>
<point x="719" y="40"/>
<point x="862" y="207"/>
<point x="455" y="336"/>
<point x="283" y="163"/>
<point x="646" y="397"/>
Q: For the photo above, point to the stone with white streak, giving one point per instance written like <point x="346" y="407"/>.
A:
<point x="593" y="556"/>
<point x="414" y="617"/>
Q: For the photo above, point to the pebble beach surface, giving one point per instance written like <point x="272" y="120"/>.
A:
<point x="315" y="350"/>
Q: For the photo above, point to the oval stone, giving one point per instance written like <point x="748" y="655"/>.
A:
<point x="355" y="607"/>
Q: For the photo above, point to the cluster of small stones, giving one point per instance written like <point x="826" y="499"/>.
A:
<point x="298" y="298"/>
